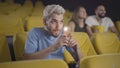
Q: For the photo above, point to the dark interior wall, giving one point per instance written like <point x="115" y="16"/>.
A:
<point x="115" y="10"/>
<point x="112" y="6"/>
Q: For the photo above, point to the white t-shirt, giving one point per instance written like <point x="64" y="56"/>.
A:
<point x="106" y="22"/>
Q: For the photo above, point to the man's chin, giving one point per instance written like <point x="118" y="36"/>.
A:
<point x="101" y="16"/>
<point x="55" y="34"/>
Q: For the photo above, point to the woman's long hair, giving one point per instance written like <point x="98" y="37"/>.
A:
<point x="75" y="15"/>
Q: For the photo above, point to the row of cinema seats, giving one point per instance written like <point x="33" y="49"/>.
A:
<point x="10" y="25"/>
<point x="85" y="44"/>
<point x="14" y="24"/>
<point x="35" y="64"/>
<point x="30" y="16"/>
<point x="105" y="43"/>
<point x="24" y="16"/>
<point x="104" y="50"/>
<point x="97" y="61"/>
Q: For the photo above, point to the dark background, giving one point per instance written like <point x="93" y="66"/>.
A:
<point x="112" y="6"/>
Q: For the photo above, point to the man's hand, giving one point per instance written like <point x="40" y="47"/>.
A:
<point x="67" y="40"/>
<point x="72" y="43"/>
<point x="61" y="41"/>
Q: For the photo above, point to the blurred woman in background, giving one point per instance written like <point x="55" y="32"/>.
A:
<point x="77" y="22"/>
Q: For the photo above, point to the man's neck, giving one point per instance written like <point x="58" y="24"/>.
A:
<point x="47" y="30"/>
<point x="98" y="19"/>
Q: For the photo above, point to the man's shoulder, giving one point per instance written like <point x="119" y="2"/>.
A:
<point x="36" y="30"/>
<point x="107" y="18"/>
<point x="91" y="17"/>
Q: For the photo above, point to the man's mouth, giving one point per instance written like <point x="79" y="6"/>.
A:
<point x="56" y="30"/>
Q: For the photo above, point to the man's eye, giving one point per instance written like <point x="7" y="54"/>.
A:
<point x="62" y="22"/>
<point x="52" y="21"/>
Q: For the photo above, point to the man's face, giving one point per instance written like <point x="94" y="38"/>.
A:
<point x="100" y="11"/>
<point x="82" y="13"/>
<point x="55" y="24"/>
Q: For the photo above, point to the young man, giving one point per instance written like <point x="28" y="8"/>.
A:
<point x="100" y="19"/>
<point x="49" y="42"/>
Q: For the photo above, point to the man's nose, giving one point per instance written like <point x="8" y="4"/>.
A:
<point x="58" y="26"/>
<point x="104" y="11"/>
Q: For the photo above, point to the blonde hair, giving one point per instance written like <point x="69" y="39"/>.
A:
<point x="50" y="9"/>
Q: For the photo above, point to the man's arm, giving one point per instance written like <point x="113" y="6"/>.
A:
<point x="89" y="22"/>
<point x="79" y="52"/>
<point x="89" y="30"/>
<point x="41" y="54"/>
<point x="112" y="27"/>
<point x="114" y="30"/>
<point x="45" y="52"/>
<point x="73" y="44"/>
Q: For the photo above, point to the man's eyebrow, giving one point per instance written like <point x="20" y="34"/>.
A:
<point x="56" y="20"/>
<point x="53" y="19"/>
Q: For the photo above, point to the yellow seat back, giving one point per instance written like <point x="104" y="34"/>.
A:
<point x="19" y="45"/>
<point x="118" y="25"/>
<point x="68" y="57"/>
<point x="34" y="21"/>
<point x="101" y="61"/>
<point x="84" y="43"/>
<point x="4" y="49"/>
<point x="105" y="43"/>
<point x="35" y="64"/>
<point x="10" y="25"/>
<point x="85" y="46"/>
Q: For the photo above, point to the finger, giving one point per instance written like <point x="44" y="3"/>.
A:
<point x="71" y="40"/>
<point x="73" y="43"/>
<point x="62" y="38"/>
<point x="69" y="36"/>
<point x="65" y="41"/>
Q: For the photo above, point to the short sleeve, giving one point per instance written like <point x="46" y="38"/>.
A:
<point x="110" y="22"/>
<point x="89" y="21"/>
<point x="31" y="42"/>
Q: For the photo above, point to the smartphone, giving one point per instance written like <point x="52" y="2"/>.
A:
<point x="65" y="30"/>
<point x="66" y="33"/>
